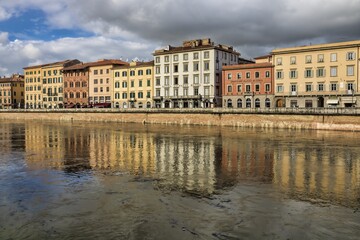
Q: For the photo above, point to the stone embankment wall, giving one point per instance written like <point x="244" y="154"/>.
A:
<point x="207" y="118"/>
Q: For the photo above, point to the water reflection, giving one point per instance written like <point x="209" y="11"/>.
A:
<point x="315" y="166"/>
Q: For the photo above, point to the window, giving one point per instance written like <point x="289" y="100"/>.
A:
<point x="166" y="69"/>
<point x="350" y="70"/>
<point x="267" y="87"/>
<point x="196" y="55"/>
<point x="333" y="86"/>
<point x="196" y="91"/>
<point x="166" y="81"/>
<point x="124" y="84"/>
<point x="333" y="71"/>
<point x="101" y="71"/>
<point x="320" y="72"/>
<point x="196" y="66"/>
<point x="140" y="72"/>
<point x="279" y="75"/>
<point x="95" y="82"/>
<point x="124" y="95"/>
<point x="229" y="76"/>
<point x="157" y="70"/>
<point x="96" y="90"/>
<point x="292" y="60"/>
<point x="279" y="61"/>
<point x="320" y="58"/>
<point x="350" y="56"/>
<point x="293" y="73"/>
<point x="132" y="73"/>
<point x="248" y="88"/>
<point x="257" y="88"/>
<point x="350" y="86"/>
<point x="148" y="71"/>
<point x="186" y="79"/>
<point x="148" y="83"/>
<point x="166" y="58"/>
<point x="186" y="67"/>
<point x="176" y="80"/>
<point x="267" y="74"/>
<point x="176" y="92"/>
<point x="196" y="79"/>
<point x="186" y="91"/>
<point x="308" y="87"/>
<point x="257" y="74"/>
<point x="206" y="66"/>
<point x="206" y="55"/>
<point x="176" y="68"/>
<point x="157" y="92"/>
<point x="239" y="88"/>
<point x="308" y="73"/>
<point x="157" y="59"/>
<point x="117" y="74"/>
<point x="333" y="57"/>
<point x="140" y="83"/>
<point x="229" y="88"/>
<point x="206" y="78"/>
<point x="140" y="95"/>
<point x="293" y="88"/>
<point x="124" y="73"/>
<point x="308" y="59"/>
<point x="248" y="75"/>
<point x="321" y="87"/>
<point x="239" y="76"/>
<point x="176" y="58"/>
<point x="185" y="56"/>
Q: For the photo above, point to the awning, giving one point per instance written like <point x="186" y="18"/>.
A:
<point x="332" y="101"/>
<point x="348" y="100"/>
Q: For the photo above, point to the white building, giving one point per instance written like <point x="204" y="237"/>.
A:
<point x="189" y="76"/>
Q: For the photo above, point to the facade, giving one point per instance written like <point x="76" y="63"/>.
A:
<point x="249" y="85"/>
<point x="51" y="85"/>
<point x="33" y="87"/>
<point x="324" y="75"/>
<point x="101" y="81"/>
<point x="133" y="85"/>
<point x="12" y="92"/>
<point x="76" y="85"/>
<point x="189" y="76"/>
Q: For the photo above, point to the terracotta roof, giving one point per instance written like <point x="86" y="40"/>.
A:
<point x="104" y="62"/>
<point x="263" y="57"/>
<point x="76" y="67"/>
<point x="247" y="66"/>
<point x="48" y="64"/>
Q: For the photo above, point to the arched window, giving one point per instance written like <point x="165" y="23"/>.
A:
<point x="248" y="103"/>
<point x="148" y="105"/>
<point x="239" y="103"/>
<point x="267" y="102"/>
<point x="117" y="95"/>
<point x="117" y="85"/>
<point x="124" y="73"/>
<point x="117" y="74"/>
<point x="229" y="103"/>
<point x="257" y="103"/>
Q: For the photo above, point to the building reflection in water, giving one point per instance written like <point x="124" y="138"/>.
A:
<point x="303" y="165"/>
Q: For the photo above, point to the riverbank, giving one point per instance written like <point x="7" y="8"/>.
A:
<point x="304" y="119"/>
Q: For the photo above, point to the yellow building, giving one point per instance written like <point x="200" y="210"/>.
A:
<point x="324" y="75"/>
<point x="44" y="84"/>
<point x="133" y="85"/>
<point x="101" y="81"/>
<point x="12" y="91"/>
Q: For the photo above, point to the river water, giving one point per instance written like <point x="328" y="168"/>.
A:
<point x="130" y="181"/>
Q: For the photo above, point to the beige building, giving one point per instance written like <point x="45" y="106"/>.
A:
<point x="133" y="85"/>
<point x="12" y="92"/>
<point x="49" y="91"/>
<point x="101" y="81"/>
<point x="324" y="75"/>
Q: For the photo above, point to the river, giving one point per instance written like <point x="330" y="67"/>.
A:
<point x="133" y="181"/>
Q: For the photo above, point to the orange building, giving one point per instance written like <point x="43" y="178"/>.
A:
<point x="249" y="85"/>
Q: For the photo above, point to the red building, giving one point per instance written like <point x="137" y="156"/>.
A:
<point x="249" y="85"/>
<point x="76" y="85"/>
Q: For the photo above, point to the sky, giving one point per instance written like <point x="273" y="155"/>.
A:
<point x="43" y="31"/>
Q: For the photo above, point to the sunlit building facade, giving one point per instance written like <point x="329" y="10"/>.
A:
<point x="133" y="85"/>
<point x="12" y="92"/>
<point x="323" y="75"/>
